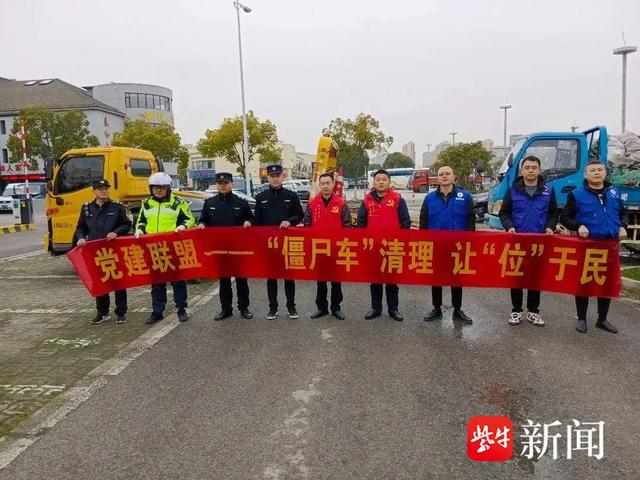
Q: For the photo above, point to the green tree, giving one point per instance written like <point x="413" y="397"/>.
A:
<point x="397" y="160"/>
<point x="183" y="163"/>
<point x="463" y="158"/>
<point x="356" y="139"/>
<point x="161" y="140"/>
<point x="226" y="141"/>
<point x="50" y="134"/>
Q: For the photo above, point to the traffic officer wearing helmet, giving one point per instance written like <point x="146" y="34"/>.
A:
<point x="104" y="218"/>
<point x="595" y="211"/>
<point x="228" y="210"/>
<point x="449" y="207"/>
<point x="383" y="207"/>
<point x="278" y="206"/>
<point x="330" y="211"/>
<point x="529" y="206"/>
<point x="164" y="212"/>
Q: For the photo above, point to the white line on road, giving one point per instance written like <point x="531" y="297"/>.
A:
<point x="35" y="277"/>
<point x="22" y="255"/>
<point x="46" y="418"/>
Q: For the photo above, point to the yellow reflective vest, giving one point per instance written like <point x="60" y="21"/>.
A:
<point x="165" y="216"/>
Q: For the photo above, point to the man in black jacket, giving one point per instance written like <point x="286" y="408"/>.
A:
<point x="104" y="218"/>
<point x="228" y="210"/>
<point x="278" y="206"/>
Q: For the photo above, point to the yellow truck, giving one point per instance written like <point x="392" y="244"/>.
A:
<point x="69" y="181"/>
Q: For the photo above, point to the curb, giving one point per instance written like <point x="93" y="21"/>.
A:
<point x="32" y="429"/>
<point x="630" y="283"/>
<point x="23" y="227"/>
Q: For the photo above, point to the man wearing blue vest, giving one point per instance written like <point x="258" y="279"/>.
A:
<point x="529" y="206"/>
<point x="595" y="211"/>
<point x="448" y="208"/>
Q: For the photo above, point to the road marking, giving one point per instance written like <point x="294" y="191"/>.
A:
<point x="35" y="277"/>
<point x="29" y="432"/>
<point x="73" y="342"/>
<point x="22" y="255"/>
<point x="326" y="335"/>
<point x="44" y="390"/>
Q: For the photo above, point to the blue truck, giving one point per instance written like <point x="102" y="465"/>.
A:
<point x="563" y="156"/>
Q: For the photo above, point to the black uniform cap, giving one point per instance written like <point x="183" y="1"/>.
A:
<point x="101" y="183"/>
<point x="224" y="177"/>
<point x="274" y="169"/>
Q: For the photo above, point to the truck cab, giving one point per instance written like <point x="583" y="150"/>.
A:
<point x="563" y="157"/>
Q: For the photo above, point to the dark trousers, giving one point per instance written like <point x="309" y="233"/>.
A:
<point x="336" y="296"/>
<point x="226" y="293"/>
<point x="159" y="296"/>
<point x="582" y="304"/>
<point x="533" y="300"/>
<point x="289" y="291"/>
<point x="390" y="290"/>
<point x="103" y="302"/>
<point x="456" y="297"/>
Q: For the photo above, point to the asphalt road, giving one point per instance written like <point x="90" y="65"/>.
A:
<point x="24" y="242"/>
<point x="379" y="399"/>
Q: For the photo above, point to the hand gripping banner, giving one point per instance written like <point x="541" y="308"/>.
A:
<point x="468" y="259"/>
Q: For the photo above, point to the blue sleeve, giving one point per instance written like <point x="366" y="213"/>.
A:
<point x="403" y="214"/>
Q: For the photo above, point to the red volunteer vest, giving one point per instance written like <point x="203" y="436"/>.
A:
<point x="385" y="213"/>
<point x="329" y="216"/>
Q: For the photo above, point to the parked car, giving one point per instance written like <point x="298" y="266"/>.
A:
<point x="298" y="186"/>
<point x="17" y="190"/>
<point x="480" y="204"/>
<point x="212" y="191"/>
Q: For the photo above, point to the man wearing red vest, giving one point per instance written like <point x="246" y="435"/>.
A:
<point x="383" y="207"/>
<point x="330" y="211"/>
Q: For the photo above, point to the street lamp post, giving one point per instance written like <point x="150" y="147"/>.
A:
<point x="624" y="51"/>
<point x="453" y="138"/>
<point x="505" y="107"/>
<point x="245" y="135"/>
<point x="428" y="155"/>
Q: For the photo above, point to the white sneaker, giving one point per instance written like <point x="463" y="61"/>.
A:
<point x="515" y="318"/>
<point x="535" y="318"/>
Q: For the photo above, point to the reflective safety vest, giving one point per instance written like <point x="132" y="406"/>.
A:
<point x="329" y="215"/>
<point x="602" y="220"/>
<point x="529" y="215"/>
<point x="165" y="216"/>
<point x="383" y="214"/>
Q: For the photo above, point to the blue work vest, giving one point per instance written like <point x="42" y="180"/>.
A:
<point x="602" y="220"/>
<point x="529" y="215"/>
<point x="448" y="215"/>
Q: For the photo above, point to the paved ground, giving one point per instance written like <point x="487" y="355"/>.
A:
<point x="23" y="242"/>
<point x="354" y="399"/>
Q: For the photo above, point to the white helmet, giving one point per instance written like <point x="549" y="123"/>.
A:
<point x="160" y="179"/>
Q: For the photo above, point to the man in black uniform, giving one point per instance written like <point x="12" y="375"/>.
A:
<point x="103" y="218"/>
<point x="228" y="210"/>
<point x="278" y="206"/>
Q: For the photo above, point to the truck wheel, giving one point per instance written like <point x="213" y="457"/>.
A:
<point x="423" y="189"/>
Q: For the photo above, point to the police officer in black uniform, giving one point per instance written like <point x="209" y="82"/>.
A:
<point x="228" y="210"/>
<point x="104" y="218"/>
<point x="278" y="206"/>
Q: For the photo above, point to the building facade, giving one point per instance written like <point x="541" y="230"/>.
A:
<point x="137" y="101"/>
<point x="409" y="149"/>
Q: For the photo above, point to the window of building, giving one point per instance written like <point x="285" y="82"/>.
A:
<point x="140" y="168"/>
<point x="77" y="173"/>
<point x="3" y="127"/>
<point x="5" y="155"/>
<point x="148" y="101"/>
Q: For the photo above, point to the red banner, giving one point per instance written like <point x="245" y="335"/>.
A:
<point x="469" y="259"/>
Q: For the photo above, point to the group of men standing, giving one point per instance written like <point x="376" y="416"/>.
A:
<point x="529" y="206"/>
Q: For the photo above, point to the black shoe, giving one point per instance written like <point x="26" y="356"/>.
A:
<point x="581" y="326"/>
<point x="293" y="313"/>
<point x="245" y="313"/>
<point x="338" y="314"/>
<point x="372" y="314"/>
<point x="319" y="313"/>
<point x="121" y="319"/>
<point x="605" y="325"/>
<point x="153" y="318"/>
<point x="100" y="319"/>
<point x="463" y="317"/>
<point x="183" y="316"/>
<point x="395" y="314"/>
<point x="222" y="315"/>
<point x="273" y="313"/>
<point x="435" y="314"/>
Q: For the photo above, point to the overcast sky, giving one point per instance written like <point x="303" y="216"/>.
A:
<point x="422" y="67"/>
